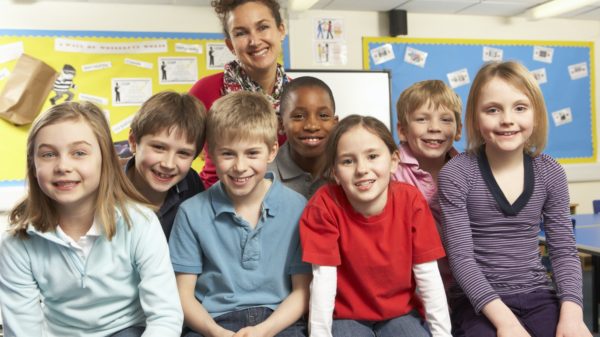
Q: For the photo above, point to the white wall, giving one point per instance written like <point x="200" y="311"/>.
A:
<point x="61" y="15"/>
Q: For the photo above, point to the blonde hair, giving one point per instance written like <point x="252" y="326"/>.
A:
<point x="436" y="92"/>
<point x="241" y="116"/>
<point x="171" y="111"/>
<point x="518" y="76"/>
<point x="371" y="124"/>
<point x="114" y="189"/>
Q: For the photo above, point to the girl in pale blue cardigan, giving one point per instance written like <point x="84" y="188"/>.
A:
<point x="83" y="256"/>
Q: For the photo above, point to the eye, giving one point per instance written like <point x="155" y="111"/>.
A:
<point x="346" y="161"/>
<point x="372" y="156"/>
<point x="79" y="153"/>
<point x="420" y="119"/>
<point x="325" y="116"/>
<point x="47" y="154"/>
<point x="185" y="154"/>
<point x="297" y="117"/>
<point x="263" y="27"/>
<point x="492" y="110"/>
<point x="158" y="147"/>
<point x="239" y="33"/>
<point x="447" y="119"/>
<point x="254" y="153"/>
<point x="521" y="108"/>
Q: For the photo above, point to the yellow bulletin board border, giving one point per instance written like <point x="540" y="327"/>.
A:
<point x="134" y="66"/>
<point x="470" y="51"/>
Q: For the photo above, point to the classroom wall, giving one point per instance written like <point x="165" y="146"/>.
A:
<point x="112" y="16"/>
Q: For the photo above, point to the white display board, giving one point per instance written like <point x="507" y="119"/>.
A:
<point x="356" y="92"/>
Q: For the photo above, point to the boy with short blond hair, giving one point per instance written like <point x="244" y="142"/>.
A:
<point x="235" y="247"/>
<point x="166" y="135"/>
<point x="429" y="121"/>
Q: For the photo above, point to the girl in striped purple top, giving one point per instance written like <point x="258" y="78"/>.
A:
<point x="493" y="199"/>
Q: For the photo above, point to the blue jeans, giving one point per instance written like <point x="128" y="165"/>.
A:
<point x="134" y="331"/>
<point x="237" y="320"/>
<point x="409" y="325"/>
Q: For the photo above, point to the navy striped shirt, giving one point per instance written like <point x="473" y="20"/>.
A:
<point x="492" y="245"/>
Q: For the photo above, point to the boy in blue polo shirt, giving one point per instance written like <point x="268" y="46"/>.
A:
<point x="235" y="247"/>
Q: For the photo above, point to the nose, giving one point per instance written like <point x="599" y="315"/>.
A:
<point x="433" y="125"/>
<point x="252" y="38"/>
<point x="507" y="118"/>
<point x="63" y="165"/>
<point x="240" y="165"/>
<point x="311" y="123"/>
<point x="168" y="160"/>
<point x="361" y="167"/>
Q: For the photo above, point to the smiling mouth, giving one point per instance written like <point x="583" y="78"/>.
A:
<point x="311" y="140"/>
<point x="259" y="52"/>
<point x="65" y="184"/>
<point x="240" y="180"/>
<point x="434" y="141"/>
<point x="162" y="176"/>
<point x="364" y="184"/>
<point x="507" y="133"/>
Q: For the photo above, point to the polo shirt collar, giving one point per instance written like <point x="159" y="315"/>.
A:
<point x="286" y="165"/>
<point x="221" y="202"/>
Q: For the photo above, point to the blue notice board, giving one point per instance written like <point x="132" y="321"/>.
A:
<point x="565" y="71"/>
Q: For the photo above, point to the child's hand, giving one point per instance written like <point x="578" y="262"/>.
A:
<point x="249" y="331"/>
<point x="516" y="330"/>
<point x="570" y="323"/>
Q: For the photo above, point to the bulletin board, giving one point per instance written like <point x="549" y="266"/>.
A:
<point x="116" y="70"/>
<point x="564" y="70"/>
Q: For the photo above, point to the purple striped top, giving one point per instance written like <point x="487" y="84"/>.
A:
<point x="492" y="245"/>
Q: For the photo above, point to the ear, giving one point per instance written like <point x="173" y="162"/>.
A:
<point x="229" y="45"/>
<point x="395" y="161"/>
<point x="282" y="31"/>
<point x="280" y="128"/>
<point x="273" y="152"/>
<point x="334" y="175"/>
<point x="401" y="132"/>
<point x="132" y="142"/>
<point x="458" y="133"/>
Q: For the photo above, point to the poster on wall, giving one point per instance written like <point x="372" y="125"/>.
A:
<point x="115" y="70"/>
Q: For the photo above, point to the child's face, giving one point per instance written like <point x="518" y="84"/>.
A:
<point x="363" y="167"/>
<point x="161" y="161"/>
<point x="68" y="162"/>
<point x="430" y="132"/>
<point x="241" y="166"/>
<point x="308" y="122"/>
<point x="505" y="117"/>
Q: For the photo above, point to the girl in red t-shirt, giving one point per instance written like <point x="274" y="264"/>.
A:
<point x="372" y="243"/>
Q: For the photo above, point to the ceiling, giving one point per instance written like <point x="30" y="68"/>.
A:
<point x="467" y="7"/>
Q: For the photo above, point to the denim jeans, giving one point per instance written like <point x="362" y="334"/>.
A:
<point x="134" y="331"/>
<point x="409" y="325"/>
<point x="237" y="320"/>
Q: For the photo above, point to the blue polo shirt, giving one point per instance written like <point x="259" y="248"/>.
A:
<point x="239" y="267"/>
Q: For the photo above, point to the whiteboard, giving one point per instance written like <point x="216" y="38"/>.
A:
<point x="356" y="92"/>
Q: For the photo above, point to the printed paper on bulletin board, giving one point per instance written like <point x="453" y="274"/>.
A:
<point x="563" y="69"/>
<point x="115" y="70"/>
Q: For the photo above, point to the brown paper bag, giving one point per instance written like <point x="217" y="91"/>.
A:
<point x="26" y="90"/>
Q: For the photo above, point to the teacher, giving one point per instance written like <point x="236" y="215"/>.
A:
<point x="254" y="32"/>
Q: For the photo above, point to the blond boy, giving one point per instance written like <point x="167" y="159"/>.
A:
<point x="235" y="247"/>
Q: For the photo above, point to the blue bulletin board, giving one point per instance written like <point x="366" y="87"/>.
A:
<point x="565" y="71"/>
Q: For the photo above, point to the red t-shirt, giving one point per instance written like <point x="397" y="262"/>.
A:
<point x="374" y="255"/>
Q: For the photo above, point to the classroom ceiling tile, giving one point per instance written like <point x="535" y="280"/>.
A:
<point x="202" y="3"/>
<point x="585" y="13"/>
<point x="437" y="6"/>
<point x="359" y="5"/>
<point x="498" y="8"/>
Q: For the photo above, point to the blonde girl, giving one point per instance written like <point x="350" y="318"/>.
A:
<point x="375" y="239"/>
<point x="83" y="256"/>
<point x="492" y="200"/>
